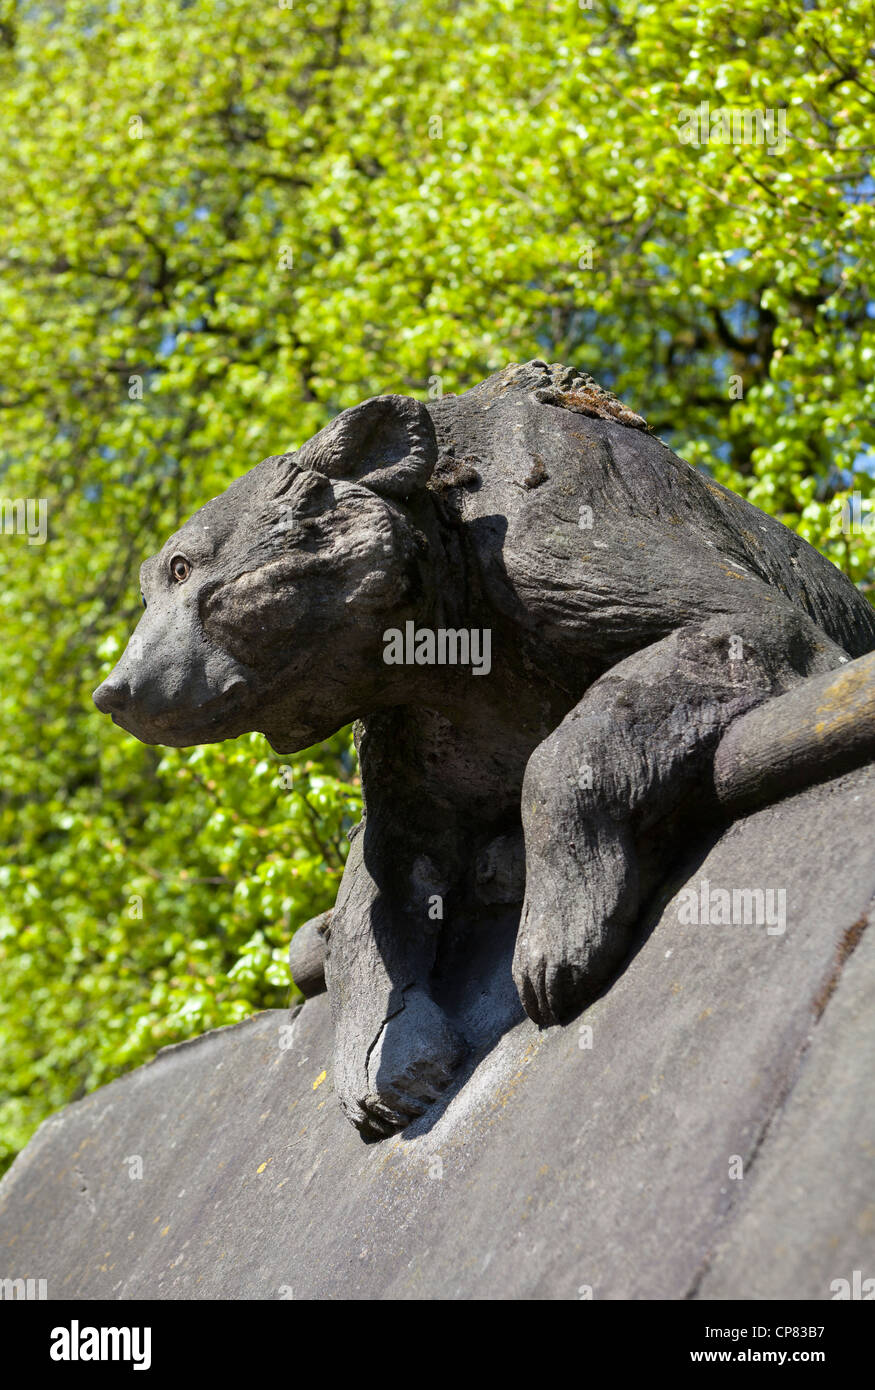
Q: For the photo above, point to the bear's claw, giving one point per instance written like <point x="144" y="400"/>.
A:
<point x="408" y="1067"/>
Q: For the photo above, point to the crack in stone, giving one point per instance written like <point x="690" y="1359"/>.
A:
<point x="851" y="938"/>
<point x="381" y="1030"/>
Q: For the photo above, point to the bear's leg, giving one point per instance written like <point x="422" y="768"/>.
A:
<point x="395" y="1050"/>
<point x="624" y="770"/>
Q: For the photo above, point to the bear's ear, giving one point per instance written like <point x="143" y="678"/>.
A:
<point x="388" y="443"/>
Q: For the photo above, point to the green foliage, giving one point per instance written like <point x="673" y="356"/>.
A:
<point x="230" y="221"/>
<point x="148" y="898"/>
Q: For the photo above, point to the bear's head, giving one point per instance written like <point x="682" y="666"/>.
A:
<point x="266" y="610"/>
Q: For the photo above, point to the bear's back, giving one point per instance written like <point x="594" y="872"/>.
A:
<point x="589" y="532"/>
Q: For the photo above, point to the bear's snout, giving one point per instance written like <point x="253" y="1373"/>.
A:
<point x="112" y="696"/>
<point x="170" y="686"/>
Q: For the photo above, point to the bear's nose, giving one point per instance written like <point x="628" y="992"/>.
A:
<point x="112" y="695"/>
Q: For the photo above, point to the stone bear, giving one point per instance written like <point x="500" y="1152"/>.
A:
<point x="634" y="607"/>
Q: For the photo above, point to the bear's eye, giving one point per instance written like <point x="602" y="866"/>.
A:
<point x="180" y="569"/>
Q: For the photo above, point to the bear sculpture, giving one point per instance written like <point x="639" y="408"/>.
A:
<point x="543" y="621"/>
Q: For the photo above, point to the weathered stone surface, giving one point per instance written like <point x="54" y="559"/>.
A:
<point x="560" y="1166"/>
<point x="811" y="1204"/>
<point x="307" y="955"/>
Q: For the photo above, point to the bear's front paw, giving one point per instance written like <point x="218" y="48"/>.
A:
<point x="578" y="915"/>
<point x="551" y="989"/>
<point x="409" y="1065"/>
<point x="561" y="962"/>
